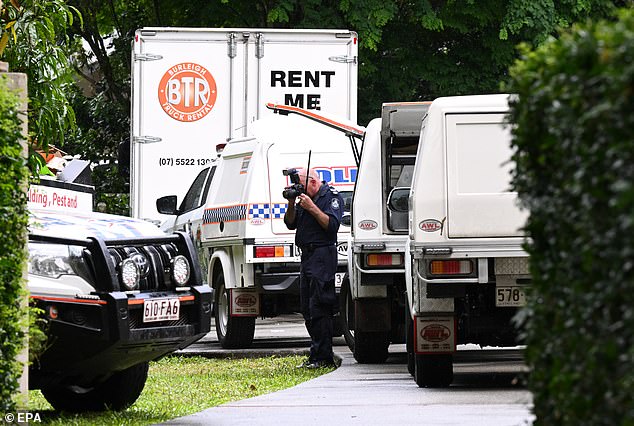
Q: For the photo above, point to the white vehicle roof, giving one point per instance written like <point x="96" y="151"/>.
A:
<point x="461" y="187"/>
<point x="79" y="225"/>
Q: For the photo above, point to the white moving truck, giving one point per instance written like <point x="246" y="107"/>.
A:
<point x="235" y="212"/>
<point x="373" y="299"/>
<point x="195" y="88"/>
<point x="466" y="271"/>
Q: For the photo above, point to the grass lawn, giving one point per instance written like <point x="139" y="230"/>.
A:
<point x="178" y="386"/>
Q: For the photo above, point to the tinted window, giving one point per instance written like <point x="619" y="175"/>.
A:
<point x="192" y="199"/>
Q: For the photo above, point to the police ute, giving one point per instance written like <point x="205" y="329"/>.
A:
<point x="373" y="303"/>
<point x="466" y="269"/>
<point x="234" y="211"/>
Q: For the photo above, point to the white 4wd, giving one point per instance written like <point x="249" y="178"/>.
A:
<point x="116" y="293"/>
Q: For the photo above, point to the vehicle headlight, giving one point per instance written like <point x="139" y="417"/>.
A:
<point x="180" y="270"/>
<point x="129" y="274"/>
<point x="55" y="260"/>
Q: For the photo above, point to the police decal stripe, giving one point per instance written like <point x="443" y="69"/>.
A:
<point x="240" y="212"/>
<point x="267" y="211"/>
<point x="225" y="214"/>
<point x="259" y="211"/>
<point x="278" y="210"/>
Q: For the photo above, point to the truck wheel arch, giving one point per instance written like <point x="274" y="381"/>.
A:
<point x="220" y="262"/>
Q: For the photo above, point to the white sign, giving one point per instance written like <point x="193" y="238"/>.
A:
<point x="51" y="198"/>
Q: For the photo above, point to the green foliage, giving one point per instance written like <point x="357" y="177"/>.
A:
<point x="178" y="386"/>
<point x="574" y="157"/>
<point x="408" y="51"/>
<point x="38" y="333"/>
<point x="12" y="245"/>
<point x="38" y="46"/>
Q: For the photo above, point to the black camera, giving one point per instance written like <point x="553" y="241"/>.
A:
<point x="293" y="191"/>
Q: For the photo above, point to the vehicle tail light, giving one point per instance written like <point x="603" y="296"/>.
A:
<point x="450" y="267"/>
<point x="272" y="251"/>
<point x="384" y="259"/>
<point x="53" y="313"/>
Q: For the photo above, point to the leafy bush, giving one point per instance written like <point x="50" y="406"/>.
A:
<point x="574" y="143"/>
<point x="12" y="244"/>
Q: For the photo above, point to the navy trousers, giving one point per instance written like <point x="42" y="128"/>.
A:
<point x="318" y="299"/>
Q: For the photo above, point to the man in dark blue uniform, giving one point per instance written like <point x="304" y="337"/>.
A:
<point x="316" y="215"/>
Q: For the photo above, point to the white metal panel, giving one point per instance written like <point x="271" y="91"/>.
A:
<point x="480" y="201"/>
<point x="428" y="192"/>
<point x="244" y="64"/>
<point x="330" y="154"/>
<point x="299" y="71"/>
<point x="367" y="210"/>
<point x="187" y="142"/>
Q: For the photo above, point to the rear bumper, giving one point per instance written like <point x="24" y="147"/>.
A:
<point x="90" y="339"/>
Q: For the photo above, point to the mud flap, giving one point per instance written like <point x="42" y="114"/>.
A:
<point x="435" y="334"/>
<point x="244" y="302"/>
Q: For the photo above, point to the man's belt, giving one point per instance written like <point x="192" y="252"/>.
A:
<point x="312" y="247"/>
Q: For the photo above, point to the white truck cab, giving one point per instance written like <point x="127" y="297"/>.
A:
<point x="373" y="299"/>
<point x="466" y="268"/>
<point x="234" y="211"/>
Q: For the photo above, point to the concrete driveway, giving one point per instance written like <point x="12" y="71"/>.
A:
<point x="486" y="391"/>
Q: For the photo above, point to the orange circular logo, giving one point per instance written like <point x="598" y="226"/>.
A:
<point x="187" y="92"/>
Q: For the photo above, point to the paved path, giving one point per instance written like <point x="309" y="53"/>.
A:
<point x="483" y="393"/>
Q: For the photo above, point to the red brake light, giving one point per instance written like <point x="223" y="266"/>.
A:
<point x="384" y="259"/>
<point x="265" y="251"/>
<point x="450" y="267"/>
<point x="272" y="251"/>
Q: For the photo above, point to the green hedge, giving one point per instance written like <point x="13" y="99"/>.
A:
<point x="13" y="222"/>
<point x="575" y="173"/>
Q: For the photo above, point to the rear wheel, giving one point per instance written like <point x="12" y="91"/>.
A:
<point x="371" y="347"/>
<point x="346" y="312"/>
<point x="367" y="347"/>
<point x="232" y="332"/>
<point x="433" y="371"/>
<point x="119" y="392"/>
<point x="409" y="342"/>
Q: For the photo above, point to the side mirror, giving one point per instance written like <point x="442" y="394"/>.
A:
<point x="167" y="205"/>
<point x="346" y="219"/>
<point x="398" y="200"/>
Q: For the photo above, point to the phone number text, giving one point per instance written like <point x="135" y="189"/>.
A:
<point x="170" y="161"/>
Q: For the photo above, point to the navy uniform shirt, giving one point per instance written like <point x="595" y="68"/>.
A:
<point x="309" y="232"/>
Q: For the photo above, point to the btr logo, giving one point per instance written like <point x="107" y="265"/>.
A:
<point x="187" y="92"/>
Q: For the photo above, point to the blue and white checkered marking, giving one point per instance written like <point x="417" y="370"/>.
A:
<point x="259" y="211"/>
<point x="278" y="210"/>
<point x="267" y="211"/>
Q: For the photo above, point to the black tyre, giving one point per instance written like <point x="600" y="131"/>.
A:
<point x="371" y="347"/>
<point x="232" y="332"/>
<point x="367" y="347"/>
<point x="433" y="371"/>
<point x="119" y="392"/>
<point x="346" y="314"/>
<point x="409" y="342"/>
